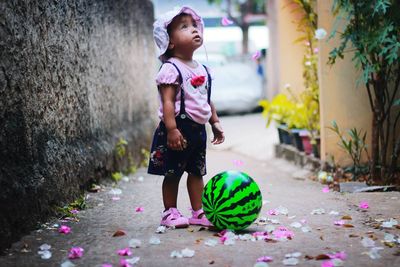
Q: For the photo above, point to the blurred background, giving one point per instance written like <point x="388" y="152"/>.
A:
<point x="235" y="48"/>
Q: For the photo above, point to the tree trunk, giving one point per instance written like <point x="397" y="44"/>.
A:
<point x="375" y="174"/>
<point x="245" y="40"/>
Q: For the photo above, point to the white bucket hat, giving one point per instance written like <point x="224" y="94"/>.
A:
<point x="160" y="33"/>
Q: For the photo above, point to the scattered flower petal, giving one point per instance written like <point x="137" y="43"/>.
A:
<point x="67" y="263"/>
<point x="140" y="178"/>
<point x="306" y="229"/>
<point x="264" y="259"/>
<point x="45" y="247"/>
<point x="327" y="263"/>
<point x="260" y="264"/>
<point x="290" y="261"/>
<point x="135" y="243"/>
<point x="124" y="252"/>
<point x="320" y="34"/>
<point x="389" y="224"/>
<point x="225" y="21"/>
<point x="293" y="255"/>
<point x="295" y="225"/>
<point x="139" y="209"/>
<point x="115" y="191"/>
<point x="64" y="229"/>
<point x="124" y="263"/>
<point x="176" y="254"/>
<point x="282" y="210"/>
<point x="318" y="211"/>
<point x="115" y="198"/>
<point x="75" y="253"/>
<point x="273" y="212"/>
<point x="74" y="211"/>
<point x="154" y="240"/>
<point x="325" y="189"/>
<point x="367" y="242"/>
<point x="211" y="242"/>
<point x="364" y="205"/>
<point x="339" y="222"/>
<point x="333" y="212"/>
<point x="373" y="253"/>
<point x="161" y="229"/>
<point x="187" y="253"/>
<point x="45" y="254"/>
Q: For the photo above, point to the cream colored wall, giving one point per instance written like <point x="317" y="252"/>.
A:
<point x="284" y="63"/>
<point x="340" y="99"/>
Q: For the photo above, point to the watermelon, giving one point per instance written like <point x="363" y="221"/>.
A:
<point x="231" y="200"/>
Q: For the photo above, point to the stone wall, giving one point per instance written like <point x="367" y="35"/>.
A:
<point x="75" y="75"/>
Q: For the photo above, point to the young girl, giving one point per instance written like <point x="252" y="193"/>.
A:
<point x="179" y="142"/>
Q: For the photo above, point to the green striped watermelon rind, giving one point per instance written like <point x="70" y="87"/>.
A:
<point x="232" y="200"/>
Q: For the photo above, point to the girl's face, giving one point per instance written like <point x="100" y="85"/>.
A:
<point x="184" y="34"/>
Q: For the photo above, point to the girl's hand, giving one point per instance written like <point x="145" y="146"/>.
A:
<point x="219" y="136"/>
<point x="175" y="140"/>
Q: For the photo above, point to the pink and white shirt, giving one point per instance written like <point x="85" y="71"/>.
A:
<point x="196" y="104"/>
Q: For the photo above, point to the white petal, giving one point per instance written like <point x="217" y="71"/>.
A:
<point x="282" y="210"/>
<point x="269" y="228"/>
<point x="290" y="261"/>
<point x="115" y="191"/>
<point x="45" y="254"/>
<point x="367" y="242"/>
<point x="133" y="260"/>
<point x="135" y="243"/>
<point x="161" y="229"/>
<point x="187" y="253"/>
<point x="333" y="212"/>
<point x="154" y="240"/>
<point x="45" y="247"/>
<point x="295" y="225"/>
<point x="306" y="229"/>
<point x="140" y="178"/>
<point x="211" y="242"/>
<point x="176" y="254"/>
<point x="261" y="264"/>
<point x="67" y="264"/>
<point x="389" y="238"/>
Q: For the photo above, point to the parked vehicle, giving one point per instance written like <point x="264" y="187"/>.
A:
<point x="237" y="88"/>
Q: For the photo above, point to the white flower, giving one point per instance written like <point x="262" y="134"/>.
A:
<point x="135" y="243"/>
<point x="154" y="240"/>
<point x="187" y="253"/>
<point x="320" y="33"/>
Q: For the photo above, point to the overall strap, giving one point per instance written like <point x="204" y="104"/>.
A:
<point x="209" y="83"/>
<point x="180" y="79"/>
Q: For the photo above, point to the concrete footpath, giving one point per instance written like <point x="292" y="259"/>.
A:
<point x="291" y="200"/>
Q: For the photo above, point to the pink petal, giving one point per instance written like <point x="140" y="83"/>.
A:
<point x="256" y="55"/>
<point x="75" y="253"/>
<point x="327" y="264"/>
<point x="237" y="162"/>
<point x="283" y="232"/>
<point x="124" y="252"/>
<point x="364" y="205"/>
<point x="64" y="229"/>
<point x="303" y="221"/>
<point x="225" y="21"/>
<point x="340" y="222"/>
<point x="124" y="263"/>
<point x="338" y="255"/>
<point x="264" y="259"/>
<point x="139" y="209"/>
<point x="273" y="212"/>
<point x="316" y="50"/>
<point x="74" y="211"/>
<point x="115" y="198"/>
<point x="325" y="189"/>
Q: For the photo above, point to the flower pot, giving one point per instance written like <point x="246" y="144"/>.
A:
<point x="306" y="141"/>
<point x="296" y="139"/>
<point x="284" y="135"/>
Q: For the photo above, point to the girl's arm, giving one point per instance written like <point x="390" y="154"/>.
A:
<point x="216" y="127"/>
<point x="175" y="139"/>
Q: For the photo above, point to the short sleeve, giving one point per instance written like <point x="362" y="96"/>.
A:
<point x="168" y="74"/>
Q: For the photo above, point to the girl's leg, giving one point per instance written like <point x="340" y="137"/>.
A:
<point x="195" y="186"/>
<point x="170" y="191"/>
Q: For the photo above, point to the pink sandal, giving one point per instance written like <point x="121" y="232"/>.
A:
<point x="199" y="218"/>
<point x="173" y="218"/>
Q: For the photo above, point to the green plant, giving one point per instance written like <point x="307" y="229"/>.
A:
<point x="120" y="147"/>
<point x="354" y="146"/>
<point x="78" y="204"/>
<point x="146" y="157"/>
<point x="279" y="109"/>
<point x="371" y="28"/>
<point x="117" y="176"/>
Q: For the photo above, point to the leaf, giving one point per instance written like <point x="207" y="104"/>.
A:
<point x="322" y="257"/>
<point x="348" y="225"/>
<point x="119" y="233"/>
<point x="346" y="217"/>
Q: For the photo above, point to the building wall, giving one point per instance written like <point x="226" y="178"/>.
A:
<point x="340" y="98"/>
<point x="284" y="63"/>
<point x="75" y="75"/>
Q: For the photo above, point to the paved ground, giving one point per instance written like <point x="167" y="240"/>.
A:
<point x="281" y="184"/>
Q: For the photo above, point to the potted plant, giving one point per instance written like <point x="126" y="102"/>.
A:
<point x="279" y="109"/>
